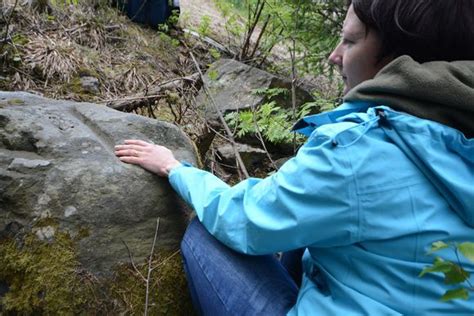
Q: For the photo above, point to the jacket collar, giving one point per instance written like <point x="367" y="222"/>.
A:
<point x="309" y="123"/>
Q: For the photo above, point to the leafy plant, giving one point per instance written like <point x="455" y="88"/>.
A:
<point x="454" y="272"/>
<point x="214" y="53"/>
<point x="271" y="120"/>
<point x="270" y="92"/>
<point x="204" y="25"/>
<point x="309" y="29"/>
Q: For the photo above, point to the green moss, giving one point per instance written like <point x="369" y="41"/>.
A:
<point x="75" y="87"/>
<point x="84" y="72"/>
<point x="168" y="293"/>
<point x="16" y="102"/>
<point x="47" y="221"/>
<point x="45" y="277"/>
<point x="42" y="276"/>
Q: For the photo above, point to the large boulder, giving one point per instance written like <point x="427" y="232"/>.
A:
<point x="232" y="86"/>
<point x="58" y="170"/>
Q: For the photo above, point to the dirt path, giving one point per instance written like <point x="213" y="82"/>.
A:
<point x="192" y="12"/>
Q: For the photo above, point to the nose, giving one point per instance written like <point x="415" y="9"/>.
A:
<point x="336" y="56"/>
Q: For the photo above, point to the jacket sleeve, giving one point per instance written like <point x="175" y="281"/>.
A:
<point x="310" y="201"/>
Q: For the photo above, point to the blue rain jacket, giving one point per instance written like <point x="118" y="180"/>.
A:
<point x="367" y="194"/>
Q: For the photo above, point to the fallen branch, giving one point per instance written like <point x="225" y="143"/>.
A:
<point x="149" y="96"/>
<point x="210" y="41"/>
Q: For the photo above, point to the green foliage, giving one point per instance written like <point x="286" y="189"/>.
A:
<point x="214" y="53"/>
<point x="271" y="92"/>
<point x="460" y="293"/>
<point x="204" y="25"/>
<point x="271" y="120"/>
<point x="168" y="40"/>
<point x="230" y="11"/>
<point x="467" y="249"/>
<point x="213" y="74"/>
<point x="308" y="28"/>
<point x="454" y="273"/>
<point x="10" y="54"/>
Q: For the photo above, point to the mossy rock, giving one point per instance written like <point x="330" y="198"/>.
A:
<point x="45" y="277"/>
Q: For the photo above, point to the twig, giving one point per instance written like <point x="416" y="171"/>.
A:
<point x="7" y="31"/>
<point x="210" y="41"/>
<point x="150" y="269"/>
<point x="191" y="78"/>
<point x="238" y="158"/>
<point x="166" y="259"/>
<point x="132" y="98"/>
<point x="132" y="262"/>
<point x="251" y="27"/>
<point x="260" y="36"/>
<point x="293" y="71"/>
<point x="260" y="138"/>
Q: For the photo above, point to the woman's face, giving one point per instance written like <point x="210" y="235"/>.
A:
<point x="356" y="54"/>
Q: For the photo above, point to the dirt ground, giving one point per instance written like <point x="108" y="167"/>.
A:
<point x="192" y="12"/>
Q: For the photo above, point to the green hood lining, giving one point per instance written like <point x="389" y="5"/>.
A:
<point x="438" y="91"/>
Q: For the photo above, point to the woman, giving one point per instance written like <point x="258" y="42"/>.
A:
<point x="379" y="180"/>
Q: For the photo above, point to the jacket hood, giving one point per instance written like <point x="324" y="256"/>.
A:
<point x="437" y="91"/>
<point x="441" y="153"/>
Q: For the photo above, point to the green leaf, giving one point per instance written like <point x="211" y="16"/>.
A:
<point x="460" y="293"/>
<point x="213" y="74"/>
<point x="467" y="250"/>
<point x="439" y="265"/>
<point x="456" y="275"/>
<point x="438" y="245"/>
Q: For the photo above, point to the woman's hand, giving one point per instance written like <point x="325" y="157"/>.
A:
<point x="154" y="158"/>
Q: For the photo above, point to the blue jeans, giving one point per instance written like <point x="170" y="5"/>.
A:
<point x="224" y="282"/>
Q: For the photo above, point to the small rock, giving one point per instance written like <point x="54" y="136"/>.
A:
<point x="69" y="211"/>
<point x="45" y="233"/>
<point x="90" y="84"/>
<point x="232" y="86"/>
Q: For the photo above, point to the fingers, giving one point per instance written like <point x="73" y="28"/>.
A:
<point x="136" y="142"/>
<point x="127" y="152"/>
<point x="129" y="159"/>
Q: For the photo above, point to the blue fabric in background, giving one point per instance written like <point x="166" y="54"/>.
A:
<point x="149" y="12"/>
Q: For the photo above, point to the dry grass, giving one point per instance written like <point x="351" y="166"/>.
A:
<point x="55" y="57"/>
<point x="48" y="51"/>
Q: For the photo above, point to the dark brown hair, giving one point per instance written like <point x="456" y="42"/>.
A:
<point x="426" y="30"/>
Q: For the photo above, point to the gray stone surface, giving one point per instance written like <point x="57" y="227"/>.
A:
<point x="251" y="156"/>
<point x="57" y="161"/>
<point x="233" y="87"/>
